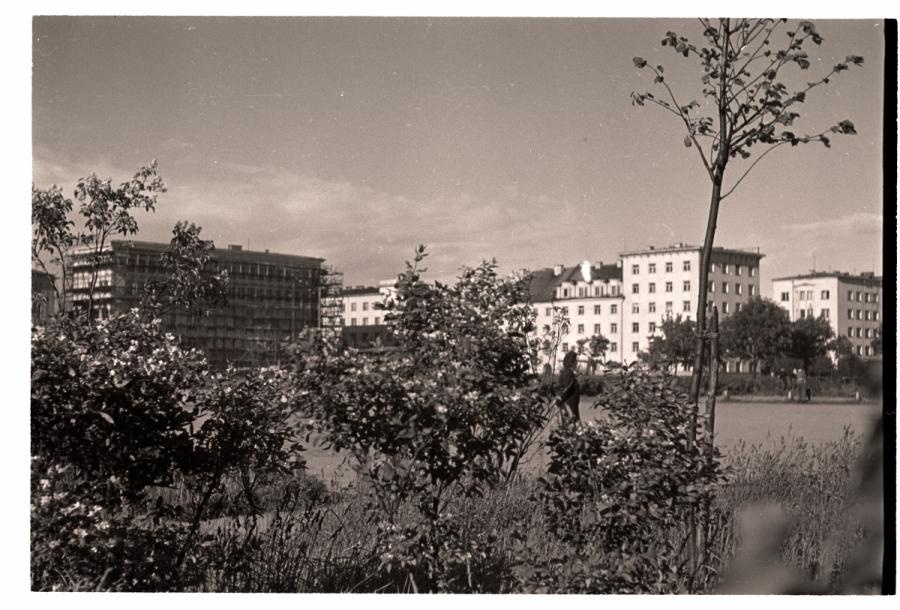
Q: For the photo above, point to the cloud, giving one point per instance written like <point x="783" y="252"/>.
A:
<point x="857" y="223"/>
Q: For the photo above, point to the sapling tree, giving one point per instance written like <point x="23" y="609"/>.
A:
<point x="746" y="70"/>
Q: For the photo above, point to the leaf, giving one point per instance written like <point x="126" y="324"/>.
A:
<point x="687" y="141"/>
<point x="106" y="417"/>
<point x="640" y="62"/>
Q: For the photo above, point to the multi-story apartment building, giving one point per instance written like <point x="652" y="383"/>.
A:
<point x="271" y="297"/>
<point x="590" y="295"/>
<point x="665" y="282"/>
<point x="363" y="313"/>
<point x="852" y="304"/>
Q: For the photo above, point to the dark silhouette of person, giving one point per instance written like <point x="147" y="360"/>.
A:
<point x="569" y="389"/>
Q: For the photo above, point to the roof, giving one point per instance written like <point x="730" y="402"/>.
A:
<point x="359" y="290"/>
<point x="843" y="276"/>
<point x="754" y="252"/>
<point x="543" y="282"/>
<point x="227" y="254"/>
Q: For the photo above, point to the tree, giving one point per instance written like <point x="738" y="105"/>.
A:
<point x="51" y="233"/>
<point x="759" y="332"/>
<point x="192" y="282"/>
<point x="841" y="347"/>
<point x="597" y="346"/>
<point x="810" y="339"/>
<point x="107" y="211"/>
<point x="745" y="81"/>
<point x="675" y="346"/>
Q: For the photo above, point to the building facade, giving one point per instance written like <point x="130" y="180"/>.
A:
<point x="590" y="296"/>
<point x="43" y="296"/>
<point x="852" y="304"/>
<point x="363" y="314"/>
<point x="665" y="282"/>
<point x="270" y="297"/>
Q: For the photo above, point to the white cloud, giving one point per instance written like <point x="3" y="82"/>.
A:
<point x="857" y="223"/>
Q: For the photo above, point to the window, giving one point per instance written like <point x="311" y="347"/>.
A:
<point x="868" y="333"/>
<point x="651" y="268"/>
<point x="785" y="296"/>
<point x="868" y="350"/>
<point x="352" y="306"/>
<point x="737" y="288"/>
<point x="597" y="330"/>
<point x="614" y="309"/>
<point x="849" y="331"/>
<point x="635" y="269"/>
<point x="546" y="328"/>
<point x="849" y="314"/>
<point x="859" y="314"/>
<point x="875" y="297"/>
<point x="712" y="267"/>
<point x="669" y="267"/>
<point x="613" y="347"/>
<point x="365" y="306"/>
<point x="737" y="269"/>
<point x="565" y="292"/>
<point x="581" y="329"/>
<point x="825" y="313"/>
<point x="651" y="287"/>
<point x="686" y="266"/>
<point x="859" y="350"/>
<point x="635" y="308"/>
<point x="867" y="297"/>
<point x="635" y="347"/>
<point x="565" y="347"/>
<point x="825" y="295"/>
<point x="352" y="321"/>
<point x="365" y="321"/>
<point x="752" y="271"/>
<point x="724" y="307"/>
<point x="635" y="327"/>
<point x="751" y="290"/>
<point x="596" y="310"/>
<point x="581" y="310"/>
<point x="875" y="315"/>
<point x="867" y="314"/>
<point x="726" y="269"/>
<point x="652" y="327"/>
<point x="686" y="306"/>
<point x="614" y="328"/>
<point x="581" y="291"/>
<point x="565" y="310"/>
<point x="858" y="296"/>
<point x="686" y="285"/>
<point x="738" y="307"/>
<point x="712" y="286"/>
<point x="614" y="290"/>
<point x="724" y="287"/>
<point x="668" y="306"/>
<point x="668" y="286"/>
<point x="651" y="307"/>
<point x="849" y="295"/>
<point x="635" y="289"/>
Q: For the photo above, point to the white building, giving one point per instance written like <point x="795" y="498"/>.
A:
<point x="664" y="282"/>
<point x="590" y="295"/>
<point x="851" y="303"/>
<point x="360" y="303"/>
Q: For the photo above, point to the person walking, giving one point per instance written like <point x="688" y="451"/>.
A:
<point x="803" y="393"/>
<point x="570" y="390"/>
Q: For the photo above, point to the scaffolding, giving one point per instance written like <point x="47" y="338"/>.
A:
<point x="331" y="300"/>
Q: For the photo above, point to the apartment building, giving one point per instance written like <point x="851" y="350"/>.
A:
<point x="363" y="313"/>
<point x="43" y="296"/>
<point x="659" y="283"/>
<point x="591" y="298"/>
<point x="852" y="304"/>
<point x="271" y="297"/>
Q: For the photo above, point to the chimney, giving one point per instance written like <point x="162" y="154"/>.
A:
<point x="651" y="247"/>
<point x="557" y="270"/>
<point x="235" y="247"/>
<point x="598" y="264"/>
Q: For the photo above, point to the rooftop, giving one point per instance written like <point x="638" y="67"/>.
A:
<point x="682" y="247"/>
<point x="231" y="253"/>
<point x="856" y="278"/>
<point x="543" y="282"/>
<point x="359" y="290"/>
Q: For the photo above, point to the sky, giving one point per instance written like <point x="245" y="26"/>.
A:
<point x="355" y="139"/>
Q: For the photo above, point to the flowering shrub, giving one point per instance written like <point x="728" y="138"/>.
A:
<point x="618" y="492"/>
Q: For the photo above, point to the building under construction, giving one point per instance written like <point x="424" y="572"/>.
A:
<point x="270" y="297"/>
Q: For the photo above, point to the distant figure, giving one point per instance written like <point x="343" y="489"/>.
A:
<point x="570" y="391"/>
<point x="803" y="392"/>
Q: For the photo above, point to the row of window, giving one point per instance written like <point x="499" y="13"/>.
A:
<point x="725" y="288"/>
<point x="600" y="290"/>
<point x="868" y="297"/>
<point x="859" y="332"/>
<point x="365" y="306"/>
<point x="807" y="295"/>
<point x="364" y="321"/>
<point x="651" y="287"/>
<point x="613" y="347"/>
<point x="728" y="268"/>
<point x="825" y="312"/>
<point x="613" y="309"/>
<point x="862" y="315"/>
<point x="651" y="267"/>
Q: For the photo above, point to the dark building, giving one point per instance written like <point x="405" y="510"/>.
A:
<point x="270" y="298"/>
<point x="43" y="296"/>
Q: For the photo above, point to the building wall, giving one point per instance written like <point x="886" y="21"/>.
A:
<point x="360" y="308"/>
<point x="665" y="282"/>
<point x="270" y="298"/>
<point x="851" y="304"/>
<point x="587" y="317"/>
